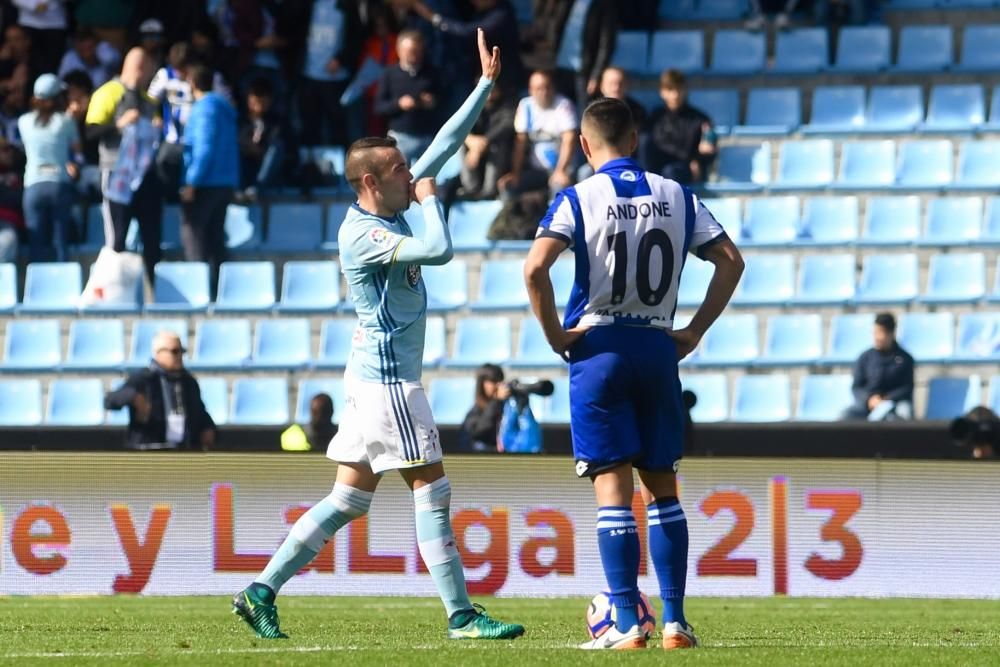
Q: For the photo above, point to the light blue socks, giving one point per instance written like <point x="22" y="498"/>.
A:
<point x="431" y="504"/>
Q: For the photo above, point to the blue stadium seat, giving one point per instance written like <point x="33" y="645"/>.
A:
<point x="792" y="340"/>
<point x="215" y="396"/>
<point x="768" y="280"/>
<point x="32" y="345"/>
<point x="825" y="280"/>
<point x="310" y="287"/>
<point x="738" y="52"/>
<point x="96" y="345"/>
<point x="978" y="338"/>
<point x="823" y="398"/>
<point x="294" y="228"/>
<point x="563" y="276"/>
<point x="956" y="278"/>
<point x="282" y="344"/>
<point x="731" y="341"/>
<point x="801" y="51"/>
<point x="805" y="165"/>
<point x="243" y="228"/>
<point x="951" y="397"/>
<point x="20" y="402"/>
<point x="118" y="417"/>
<point x="51" y="287"/>
<point x="335" y="342"/>
<point x="308" y="388"/>
<point x="533" y="350"/>
<point x="771" y="221"/>
<point x="955" y="108"/>
<point x="683" y="50"/>
<point x="993" y="124"/>
<point x="75" y="403"/>
<point x="742" y="168"/>
<point x="435" y="342"/>
<point x="712" y="391"/>
<point x="143" y="332"/>
<point x="501" y="285"/>
<point x="451" y="398"/>
<point x="670" y="10"/>
<point x="980" y="48"/>
<point x="829" y="221"/>
<point x="335" y="213"/>
<point x="762" y="398"/>
<point x="447" y="286"/>
<point x="850" y="335"/>
<point x="262" y="401"/>
<point x="862" y="49"/>
<point x="631" y="51"/>
<point x="772" y="111"/>
<point x="928" y="337"/>
<point x="953" y="221"/>
<point x="978" y="165"/>
<point x="836" y="110"/>
<point x="694" y="282"/>
<point x="891" y="221"/>
<point x="720" y="10"/>
<point x="867" y="165"/>
<point x="888" y="279"/>
<point x="924" y="48"/>
<point x="894" y="109"/>
<point x="180" y="287"/>
<point x="246" y="287"/>
<point x="727" y="211"/>
<point x="991" y="224"/>
<point x="470" y="222"/>
<point x="480" y="340"/>
<point x="221" y="344"/>
<point x="925" y="164"/>
<point x="8" y="287"/>
<point x="722" y="105"/>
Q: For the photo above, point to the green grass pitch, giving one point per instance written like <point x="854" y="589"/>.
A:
<point x="405" y="631"/>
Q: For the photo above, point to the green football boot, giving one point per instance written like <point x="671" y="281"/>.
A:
<point x="260" y="616"/>
<point x="482" y="626"/>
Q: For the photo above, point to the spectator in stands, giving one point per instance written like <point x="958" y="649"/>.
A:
<point x="380" y="47"/>
<point x="883" y="377"/>
<point x="588" y="29"/>
<point x="678" y="134"/>
<point x="107" y="18"/>
<point x="317" y="433"/>
<point x="263" y="141"/>
<point x="124" y="119"/>
<point x="153" y="41"/>
<point x="78" y="92"/>
<point x="615" y="84"/>
<point x="98" y="59"/>
<point x="252" y="27"/>
<point x="482" y="423"/>
<point x="823" y="11"/>
<point x="15" y="68"/>
<point x="49" y="138"/>
<point x="211" y="172"/>
<point x="546" y="124"/>
<point x="407" y="97"/>
<point x="45" y="21"/>
<point x="164" y="402"/>
<point x="487" y="147"/>
<point x="497" y="18"/>
<point x="12" y="228"/>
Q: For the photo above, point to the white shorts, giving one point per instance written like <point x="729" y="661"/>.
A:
<point x="387" y="426"/>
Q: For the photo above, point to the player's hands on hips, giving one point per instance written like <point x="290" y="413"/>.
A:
<point x="686" y="340"/>
<point x="424" y="188"/>
<point x="565" y="338"/>
<point x="490" y="60"/>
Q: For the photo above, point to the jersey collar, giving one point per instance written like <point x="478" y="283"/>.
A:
<point x="619" y="164"/>
<point x="356" y="206"/>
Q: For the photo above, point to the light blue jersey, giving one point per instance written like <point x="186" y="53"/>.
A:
<point x="389" y="295"/>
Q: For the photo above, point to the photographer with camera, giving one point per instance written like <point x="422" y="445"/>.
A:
<point x="979" y="430"/>
<point x="501" y="418"/>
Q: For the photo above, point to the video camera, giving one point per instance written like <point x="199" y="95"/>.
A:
<point x="976" y="427"/>
<point x="522" y="390"/>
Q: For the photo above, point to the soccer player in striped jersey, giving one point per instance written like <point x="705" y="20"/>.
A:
<point x="387" y="424"/>
<point x="630" y="232"/>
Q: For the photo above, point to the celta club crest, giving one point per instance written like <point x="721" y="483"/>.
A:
<point x="413" y="274"/>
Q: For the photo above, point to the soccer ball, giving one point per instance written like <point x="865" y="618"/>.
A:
<point x="601" y="615"/>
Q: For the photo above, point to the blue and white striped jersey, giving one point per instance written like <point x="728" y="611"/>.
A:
<point x="631" y="231"/>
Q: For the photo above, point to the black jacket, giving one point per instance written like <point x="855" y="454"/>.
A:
<point x="501" y="28"/>
<point x="154" y="431"/>
<point x="599" y="33"/>
<point x="393" y="85"/>
<point x="674" y="136"/>
<point x="479" y="430"/>
<point x="889" y="374"/>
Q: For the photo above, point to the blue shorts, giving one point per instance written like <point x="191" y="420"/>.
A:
<point x="625" y="400"/>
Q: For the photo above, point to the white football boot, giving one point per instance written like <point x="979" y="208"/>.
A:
<point x="613" y="639"/>
<point x="676" y="635"/>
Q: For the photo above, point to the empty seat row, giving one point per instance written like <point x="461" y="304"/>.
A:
<point x="821" y="398"/>
<point x="797" y="340"/>
<point x="809" y="164"/>
<point x="836" y="221"/>
<point x="863" y="49"/>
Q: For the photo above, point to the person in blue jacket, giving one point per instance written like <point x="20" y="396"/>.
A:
<point x="211" y="172"/>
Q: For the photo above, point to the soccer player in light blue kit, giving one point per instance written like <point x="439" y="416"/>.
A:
<point x="630" y="232"/>
<point x="387" y="424"/>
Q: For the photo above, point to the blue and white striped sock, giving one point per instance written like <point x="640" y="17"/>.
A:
<point x="312" y="531"/>
<point x="618" y="542"/>
<point x="668" y="545"/>
<point x="431" y="505"/>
